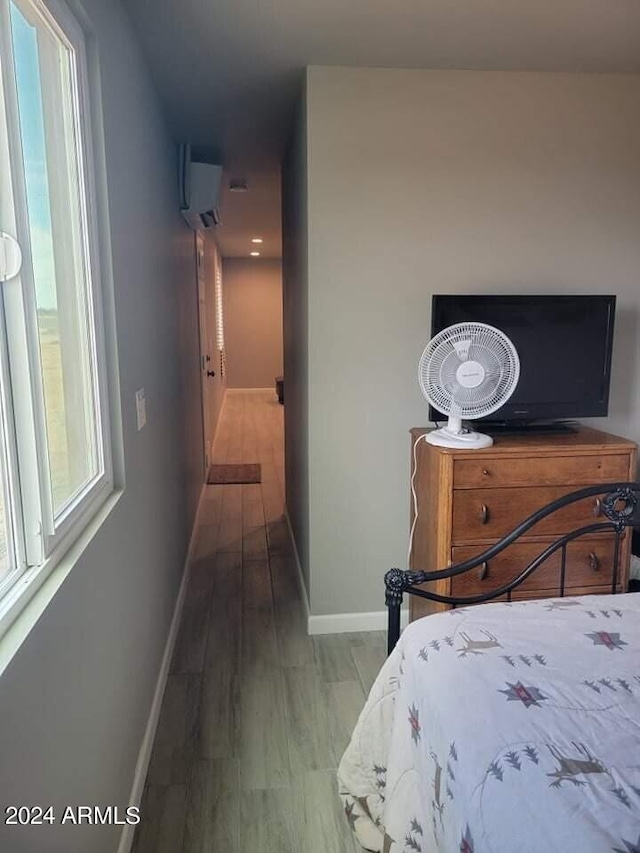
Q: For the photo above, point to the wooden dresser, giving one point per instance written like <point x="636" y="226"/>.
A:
<point x="468" y="499"/>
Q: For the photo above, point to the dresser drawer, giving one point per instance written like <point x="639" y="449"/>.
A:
<point x="503" y="568"/>
<point x="583" y="590"/>
<point x="589" y="563"/>
<point x="488" y="514"/>
<point x="535" y="471"/>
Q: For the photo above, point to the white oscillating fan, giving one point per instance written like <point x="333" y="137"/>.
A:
<point x="467" y="371"/>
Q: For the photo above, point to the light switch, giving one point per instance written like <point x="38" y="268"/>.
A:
<point x="141" y="408"/>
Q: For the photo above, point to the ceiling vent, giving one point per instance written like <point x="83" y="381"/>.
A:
<point x="199" y="191"/>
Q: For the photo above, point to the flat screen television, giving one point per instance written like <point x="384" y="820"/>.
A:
<point x="564" y="344"/>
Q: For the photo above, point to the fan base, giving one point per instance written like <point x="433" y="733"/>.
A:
<point x="464" y="440"/>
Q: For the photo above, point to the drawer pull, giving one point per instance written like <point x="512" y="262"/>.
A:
<point x="484" y="514"/>
<point x="594" y="562"/>
<point x="485" y="472"/>
<point x="483" y="571"/>
<point x="597" y="507"/>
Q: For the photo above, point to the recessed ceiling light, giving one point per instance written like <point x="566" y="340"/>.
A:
<point x="255" y="254"/>
<point x="256" y="239"/>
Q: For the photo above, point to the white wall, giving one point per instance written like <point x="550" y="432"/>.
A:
<point x="436" y="181"/>
<point x="295" y="300"/>
<point x="252" y="321"/>
<point x="75" y="700"/>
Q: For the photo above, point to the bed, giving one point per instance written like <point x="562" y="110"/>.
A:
<point x="506" y="726"/>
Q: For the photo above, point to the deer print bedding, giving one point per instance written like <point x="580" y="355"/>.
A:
<point x="503" y="727"/>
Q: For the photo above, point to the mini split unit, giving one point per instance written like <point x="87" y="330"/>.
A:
<point x="199" y="190"/>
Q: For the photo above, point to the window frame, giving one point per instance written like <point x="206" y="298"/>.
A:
<point x="41" y="537"/>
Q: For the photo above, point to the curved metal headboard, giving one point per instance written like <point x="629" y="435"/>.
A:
<point x="620" y="505"/>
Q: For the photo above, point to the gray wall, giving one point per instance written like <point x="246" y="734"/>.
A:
<point x="252" y="321"/>
<point x="75" y="700"/>
<point x="421" y="182"/>
<point x="295" y="299"/>
<point x="189" y="390"/>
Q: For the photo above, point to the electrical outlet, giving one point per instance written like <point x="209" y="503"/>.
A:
<point x="141" y="408"/>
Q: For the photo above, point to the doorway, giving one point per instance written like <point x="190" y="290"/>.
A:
<point x="210" y="321"/>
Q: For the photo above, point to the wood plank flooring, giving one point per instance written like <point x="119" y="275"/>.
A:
<point x="256" y="714"/>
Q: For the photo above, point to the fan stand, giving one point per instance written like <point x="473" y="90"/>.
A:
<point x="456" y="436"/>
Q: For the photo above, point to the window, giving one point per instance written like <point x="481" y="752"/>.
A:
<point x="220" y="317"/>
<point x="55" y="466"/>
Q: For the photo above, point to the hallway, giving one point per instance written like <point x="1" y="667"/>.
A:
<point x="256" y="714"/>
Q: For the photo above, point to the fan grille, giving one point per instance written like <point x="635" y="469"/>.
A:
<point x="476" y="344"/>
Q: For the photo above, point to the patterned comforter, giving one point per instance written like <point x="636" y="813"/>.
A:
<point x="503" y="728"/>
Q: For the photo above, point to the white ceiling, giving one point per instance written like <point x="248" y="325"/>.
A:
<point x="229" y="71"/>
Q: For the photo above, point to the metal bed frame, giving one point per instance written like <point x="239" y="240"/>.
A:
<point x="620" y="504"/>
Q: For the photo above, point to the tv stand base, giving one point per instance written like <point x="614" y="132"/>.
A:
<point x="543" y="428"/>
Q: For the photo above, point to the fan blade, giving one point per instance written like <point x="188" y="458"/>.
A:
<point x="462" y="348"/>
<point x="454" y="388"/>
<point x="448" y="371"/>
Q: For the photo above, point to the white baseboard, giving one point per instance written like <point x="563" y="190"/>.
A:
<point x="339" y="623"/>
<point x="347" y="623"/>
<point x="144" y="756"/>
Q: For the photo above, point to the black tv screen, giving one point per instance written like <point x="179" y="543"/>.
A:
<point x="564" y="344"/>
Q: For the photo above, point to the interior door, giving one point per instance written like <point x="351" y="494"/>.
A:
<point x="207" y="362"/>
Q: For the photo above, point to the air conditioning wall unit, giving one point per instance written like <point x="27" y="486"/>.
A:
<point x="199" y="191"/>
